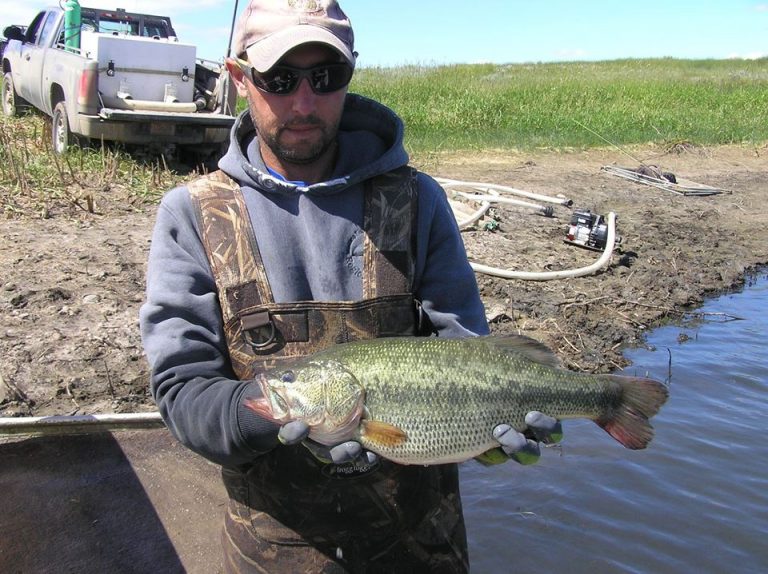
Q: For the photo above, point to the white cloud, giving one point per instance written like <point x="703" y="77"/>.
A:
<point x="572" y="53"/>
<point x="748" y="56"/>
<point x="16" y="14"/>
<point x="762" y="7"/>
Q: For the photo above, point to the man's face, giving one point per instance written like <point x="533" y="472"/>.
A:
<point x="300" y="127"/>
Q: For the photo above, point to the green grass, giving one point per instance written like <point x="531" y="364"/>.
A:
<point x="526" y="106"/>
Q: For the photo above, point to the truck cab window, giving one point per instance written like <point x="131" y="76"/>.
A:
<point x="49" y="27"/>
<point x="116" y="27"/>
<point x="155" y="28"/>
<point x="88" y="25"/>
<point x="33" y="32"/>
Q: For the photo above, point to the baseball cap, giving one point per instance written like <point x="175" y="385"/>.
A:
<point x="267" y="29"/>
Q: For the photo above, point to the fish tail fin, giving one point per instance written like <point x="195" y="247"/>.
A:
<point x="640" y="399"/>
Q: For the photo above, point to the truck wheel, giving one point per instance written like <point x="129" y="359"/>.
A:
<point x="60" y="134"/>
<point x="13" y="103"/>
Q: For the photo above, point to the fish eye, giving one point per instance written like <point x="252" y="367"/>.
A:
<point x="288" y="377"/>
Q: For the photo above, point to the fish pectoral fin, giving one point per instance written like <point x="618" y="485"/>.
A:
<point x="383" y="433"/>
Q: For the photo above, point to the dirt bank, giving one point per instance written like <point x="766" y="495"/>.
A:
<point x="71" y="285"/>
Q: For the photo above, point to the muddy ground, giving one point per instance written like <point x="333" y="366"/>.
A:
<point x="71" y="285"/>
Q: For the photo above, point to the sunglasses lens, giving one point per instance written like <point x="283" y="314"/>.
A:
<point x="323" y="79"/>
<point x="277" y="80"/>
<point x="326" y="79"/>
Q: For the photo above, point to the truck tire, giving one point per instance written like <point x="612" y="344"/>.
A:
<point x="61" y="136"/>
<point x="13" y="103"/>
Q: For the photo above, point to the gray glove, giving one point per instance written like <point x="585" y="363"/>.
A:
<point x="523" y="447"/>
<point x="296" y="432"/>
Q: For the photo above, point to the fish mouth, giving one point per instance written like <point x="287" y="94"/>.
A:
<point x="262" y="405"/>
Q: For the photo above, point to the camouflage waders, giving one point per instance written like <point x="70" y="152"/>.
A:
<point x="288" y="512"/>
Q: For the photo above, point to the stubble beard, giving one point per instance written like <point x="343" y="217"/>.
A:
<point x="303" y="153"/>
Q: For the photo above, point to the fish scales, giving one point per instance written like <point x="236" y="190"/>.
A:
<point x="445" y="396"/>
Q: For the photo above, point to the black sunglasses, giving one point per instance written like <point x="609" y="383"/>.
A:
<point x="283" y="80"/>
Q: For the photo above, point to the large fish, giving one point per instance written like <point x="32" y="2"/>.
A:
<point x="419" y="400"/>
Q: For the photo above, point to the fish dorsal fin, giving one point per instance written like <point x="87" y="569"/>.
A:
<point x="527" y="347"/>
<point x="382" y="434"/>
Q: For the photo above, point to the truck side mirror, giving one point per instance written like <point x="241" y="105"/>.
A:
<point x="14" y="33"/>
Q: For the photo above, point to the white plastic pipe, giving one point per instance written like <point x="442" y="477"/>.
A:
<point x="499" y="199"/>
<point x="566" y="273"/>
<point x="492" y="196"/>
<point x="127" y="103"/>
<point x="472" y="217"/>
<point x="152" y="106"/>
<point x="452" y="183"/>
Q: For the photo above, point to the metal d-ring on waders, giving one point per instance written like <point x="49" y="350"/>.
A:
<point x="258" y="330"/>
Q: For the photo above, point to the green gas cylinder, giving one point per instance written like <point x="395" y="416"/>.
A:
<point x="72" y="23"/>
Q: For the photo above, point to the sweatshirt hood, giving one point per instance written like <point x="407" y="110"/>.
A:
<point x="370" y="142"/>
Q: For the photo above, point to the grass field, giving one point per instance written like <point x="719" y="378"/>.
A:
<point x="528" y="106"/>
<point x="454" y="108"/>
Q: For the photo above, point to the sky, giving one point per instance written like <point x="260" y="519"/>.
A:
<point x="431" y="32"/>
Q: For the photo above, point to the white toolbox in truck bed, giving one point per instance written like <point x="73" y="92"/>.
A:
<point x="132" y="67"/>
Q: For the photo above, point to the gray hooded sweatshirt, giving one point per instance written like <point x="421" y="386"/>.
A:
<point x="311" y="242"/>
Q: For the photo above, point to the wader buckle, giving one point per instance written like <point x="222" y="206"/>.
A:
<point x="424" y="325"/>
<point x="258" y="330"/>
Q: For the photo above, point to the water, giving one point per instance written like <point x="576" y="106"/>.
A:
<point x="695" y="501"/>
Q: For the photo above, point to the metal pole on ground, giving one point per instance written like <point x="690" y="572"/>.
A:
<point x="78" y="424"/>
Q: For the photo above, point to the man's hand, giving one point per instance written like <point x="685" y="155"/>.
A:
<point x="523" y="448"/>
<point x="350" y="451"/>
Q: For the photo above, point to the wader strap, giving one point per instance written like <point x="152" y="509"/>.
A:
<point x="228" y="236"/>
<point x="260" y="332"/>
<point x="391" y="205"/>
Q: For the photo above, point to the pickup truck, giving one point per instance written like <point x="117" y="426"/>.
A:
<point x="117" y="76"/>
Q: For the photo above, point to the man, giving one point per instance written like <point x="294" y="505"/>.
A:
<point x="313" y="232"/>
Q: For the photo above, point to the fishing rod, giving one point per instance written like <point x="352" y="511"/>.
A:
<point x="609" y="142"/>
<point x="232" y="31"/>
